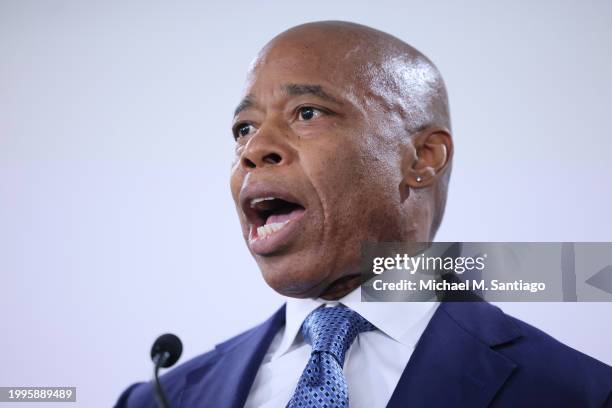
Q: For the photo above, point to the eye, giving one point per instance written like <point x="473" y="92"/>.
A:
<point x="308" y="113"/>
<point x="242" y="129"/>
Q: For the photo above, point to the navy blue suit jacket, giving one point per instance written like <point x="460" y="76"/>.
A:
<point x="470" y="355"/>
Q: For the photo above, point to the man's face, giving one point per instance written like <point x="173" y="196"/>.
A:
<point x="317" y="169"/>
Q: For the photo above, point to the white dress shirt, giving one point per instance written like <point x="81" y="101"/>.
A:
<point x="373" y="365"/>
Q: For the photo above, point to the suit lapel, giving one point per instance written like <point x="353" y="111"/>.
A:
<point x="226" y="380"/>
<point x="454" y="363"/>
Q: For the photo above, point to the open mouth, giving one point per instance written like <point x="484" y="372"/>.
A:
<point x="268" y="215"/>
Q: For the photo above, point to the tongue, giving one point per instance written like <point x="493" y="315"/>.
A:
<point x="283" y="217"/>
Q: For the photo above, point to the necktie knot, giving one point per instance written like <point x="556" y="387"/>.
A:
<point x="333" y="330"/>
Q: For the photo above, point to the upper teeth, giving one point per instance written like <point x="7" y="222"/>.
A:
<point x="259" y="200"/>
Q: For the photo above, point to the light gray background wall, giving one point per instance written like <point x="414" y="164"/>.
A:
<point x="116" y="223"/>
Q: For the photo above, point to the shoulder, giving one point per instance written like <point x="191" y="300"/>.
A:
<point x="141" y="394"/>
<point x="543" y="357"/>
<point x="546" y="369"/>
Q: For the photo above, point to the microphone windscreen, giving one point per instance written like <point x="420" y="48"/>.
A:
<point x="168" y="343"/>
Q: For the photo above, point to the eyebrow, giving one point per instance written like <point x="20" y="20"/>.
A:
<point x="245" y="103"/>
<point x="306" y="89"/>
<point x="293" y="90"/>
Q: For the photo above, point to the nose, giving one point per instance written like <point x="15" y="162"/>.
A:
<point x="264" y="149"/>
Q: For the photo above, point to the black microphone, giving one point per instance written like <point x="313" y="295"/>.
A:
<point x="165" y="352"/>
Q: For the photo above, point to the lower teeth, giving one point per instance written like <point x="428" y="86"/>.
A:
<point x="266" y="230"/>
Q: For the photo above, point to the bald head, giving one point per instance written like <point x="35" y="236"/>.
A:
<point x="346" y="131"/>
<point x="394" y="75"/>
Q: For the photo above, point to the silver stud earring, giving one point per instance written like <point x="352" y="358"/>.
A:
<point x="419" y="179"/>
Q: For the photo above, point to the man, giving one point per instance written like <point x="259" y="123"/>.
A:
<point x="343" y="137"/>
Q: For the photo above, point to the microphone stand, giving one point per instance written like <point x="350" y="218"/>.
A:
<point x="159" y="360"/>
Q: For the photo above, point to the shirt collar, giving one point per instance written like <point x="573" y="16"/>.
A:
<point x="403" y="322"/>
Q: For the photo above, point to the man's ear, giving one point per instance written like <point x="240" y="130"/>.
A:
<point x="431" y="153"/>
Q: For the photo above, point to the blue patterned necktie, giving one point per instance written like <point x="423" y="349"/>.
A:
<point x="330" y="331"/>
